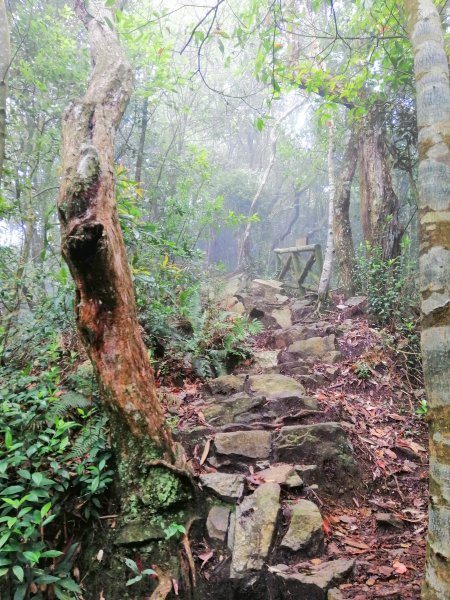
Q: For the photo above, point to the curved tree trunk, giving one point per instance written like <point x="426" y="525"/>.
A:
<point x="325" y="278"/>
<point x="378" y="201"/>
<point x="343" y="240"/>
<point x="433" y="116"/>
<point x="92" y="242"/>
<point x="5" y="60"/>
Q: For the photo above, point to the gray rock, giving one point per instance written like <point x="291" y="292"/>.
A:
<point x="228" y="486"/>
<point x="314" y="584"/>
<point x="272" y="385"/>
<point x="314" y="346"/>
<point x="227" y="409"/>
<point x="251" y="444"/>
<point x="335" y="594"/>
<point x="282" y="316"/>
<point x="289" y="335"/>
<point x="322" y="444"/>
<point x="332" y="357"/>
<point x="265" y="359"/>
<point x="231" y="530"/>
<point x="357" y="304"/>
<point x="139" y="532"/>
<point x="217" y="522"/>
<point x="256" y="518"/>
<point x="305" y="531"/>
<point x="283" y="474"/>
<point x="389" y="519"/>
<point x="225" y="385"/>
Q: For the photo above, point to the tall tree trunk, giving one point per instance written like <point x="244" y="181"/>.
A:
<point x="141" y="147"/>
<point x="244" y="246"/>
<point x="433" y="116"/>
<point x="378" y="201"/>
<point x="5" y="60"/>
<point x="324" y="283"/>
<point x="92" y="242"/>
<point x="343" y="240"/>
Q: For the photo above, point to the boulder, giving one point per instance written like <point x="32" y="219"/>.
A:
<point x="322" y="444"/>
<point x="217" y="522"/>
<point x="314" y="346"/>
<point x="269" y="288"/>
<point x="256" y="518"/>
<point x="282" y="474"/>
<point x="332" y="357"/>
<point x="139" y="532"/>
<point x="229" y="409"/>
<point x="250" y="444"/>
<point x="314" y="584"/>
<point x="305" y="531"/>
<point x="356" y="304"/>
<point x="301" y="309"/>
<point x="272" y="385"/>
<point x="335" y="594"/>
<point x="236" y="307"/>
<point x="285" y="337"/>
<point x="228" y="486"/>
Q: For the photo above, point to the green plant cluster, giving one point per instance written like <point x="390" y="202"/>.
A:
<point x="54" y="470"/>
<point x="389" y="284"/>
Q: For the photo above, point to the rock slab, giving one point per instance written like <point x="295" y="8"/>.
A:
<point x="314" y="584"/>
<point x="256" y="518"/>
<point x="217" y="522"/>
<point x="228" y="486"/>
<point x="251" y="444"/>
<point x="305" y="531"/>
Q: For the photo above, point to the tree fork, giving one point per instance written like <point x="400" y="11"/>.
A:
<point x="92" y="242"/>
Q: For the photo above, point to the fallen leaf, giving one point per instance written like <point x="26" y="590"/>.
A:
<point x="326" y="526"/>
<point x="99" y="556"/>
<point x="371" y="581"/>
<point x="205" y="556"/>
<point x="205" y="451"/>
<point x="356" y="544"/>
<point x="399" y="567"/>
<point x="316" y="561"/>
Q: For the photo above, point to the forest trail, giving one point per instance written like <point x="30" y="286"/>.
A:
<point x="312" y="459"/>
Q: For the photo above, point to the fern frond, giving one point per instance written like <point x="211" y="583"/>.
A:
<point x="68" y="401"/>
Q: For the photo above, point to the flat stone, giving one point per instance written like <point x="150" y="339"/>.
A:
<point x="256" y="518"/>
<point x="314" y="584"/>
<point x="335" y="594"/>
<point x="251" y="444"/>
<point x="231" y="530"/>
<point x="272" y="385"/>
<point x="225" y="385"/>
<point x="265" y="359"/>
<point x="322" y="444"/>
<point x="227" y="409"/>
<point x="314" y="346"/>
<point x="305" y="531"/>
<point x="332" y="357"/>
<point x="287" y="336"/>
<point x="282" y="316"/>
<point x="138" y="532"/>
<point x="228" y="486"/>
<point x="389" y="519"/>
<point x="267" y="287"/>
<point x="282" y="474"/>
<point x="217" y="522"/>
<point x="358" y="304"/>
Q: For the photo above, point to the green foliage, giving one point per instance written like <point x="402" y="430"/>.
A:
<point x="174" y="530"/>
<point x="422" y="409"/>
<point x="363" y="371"/>
<point x="138" y="575"/>
<point x="54" y="462"/>
<point x="388" y="284"/>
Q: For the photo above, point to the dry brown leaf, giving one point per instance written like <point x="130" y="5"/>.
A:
<point x="205" y="451"/>
<point x="399" y="567"/>
<point x="356" y="543"/>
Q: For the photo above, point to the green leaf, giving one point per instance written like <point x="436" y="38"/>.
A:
<point x="21" y="592"/>
<point x="260" y="124"/>
<point x="45" y="509"/>
<point x="5" y="537"/>
<point x="32" y="557"/>
<point x="12" y="490"/>
<point x="8" y="439"/>
<point x="3" y="572"/>
<point x="110" y="3"/>
<point x="134" y="580"/>
<point x="70" y="584"/>
<point x="47" y="579"/>
<point x="18" y="572"/>
<point x="52" y="554"/>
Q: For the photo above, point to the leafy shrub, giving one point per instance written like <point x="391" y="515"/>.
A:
<point x="54" y="461"/>
<point x="388" y="284"/>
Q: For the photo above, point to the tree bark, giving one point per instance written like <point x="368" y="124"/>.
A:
<point x="343" y="240"/>
<point x="244" y="246"/>
<point x="324" y="283"/>
<point x="433" y="117"/>
<point x="378" y="201"/>
<point x="5" y="60"/>
<point x="92" y="242"/>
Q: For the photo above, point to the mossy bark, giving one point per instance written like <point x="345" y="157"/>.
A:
<point x="433" y="116"/>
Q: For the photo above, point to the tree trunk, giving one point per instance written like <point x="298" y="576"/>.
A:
<point x="324" y="283"/>
<point x="343" y="240"/>
<point x="92" y="242"/>
<point x="433" y="116"/>
<point x="244" y="246"/>
<point x="378" y="201"/>
<point x="5" y="60"/>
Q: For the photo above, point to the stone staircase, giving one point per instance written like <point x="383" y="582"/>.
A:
<point x="271" y="458"/>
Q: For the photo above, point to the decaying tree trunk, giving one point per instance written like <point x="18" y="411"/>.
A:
<point x="92" y="242"/>
<point x="5" y="60"/>
<point x="343" y="240"/>
<point x="378" y="201"/>
<point x="325" y="278"/>
<point x="433" y="116"/>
